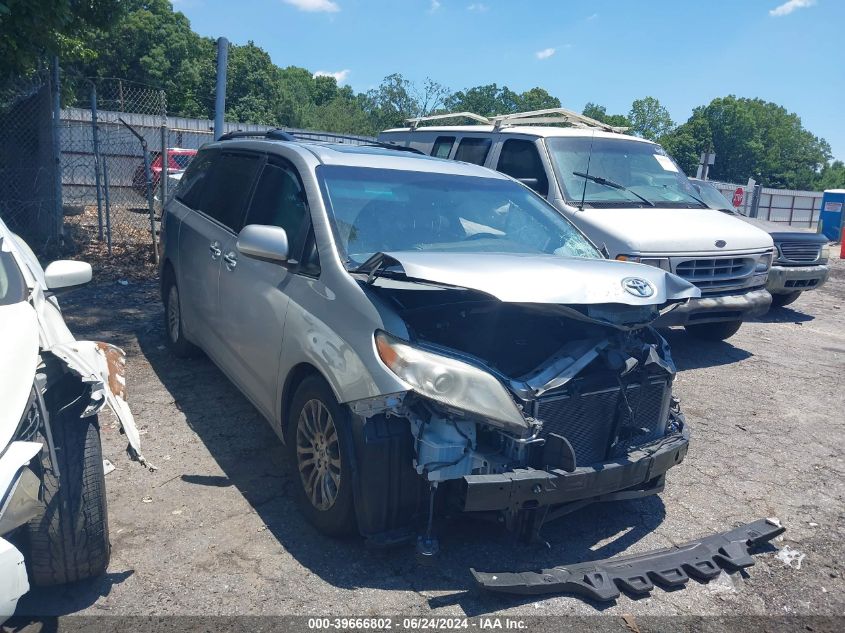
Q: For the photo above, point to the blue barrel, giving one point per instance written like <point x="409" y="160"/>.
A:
<point x="833" y="202"/>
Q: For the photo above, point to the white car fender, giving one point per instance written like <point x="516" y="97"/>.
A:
<point x="19" y="351"/>
<point x="13" y="580"/>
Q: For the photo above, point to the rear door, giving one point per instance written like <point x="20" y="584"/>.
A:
<point x="218" y="201"/>
<point x="253" y="293"/>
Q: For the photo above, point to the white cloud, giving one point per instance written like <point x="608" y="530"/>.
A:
<point x="789" y="6"/>
<point x="339" y="75"/>
<point x="478" y="7"/>
<point x="435" y="4"/>
<point x="545" y="53"/>
<point x="314" y="6"/>
<point x="592" y="17"/>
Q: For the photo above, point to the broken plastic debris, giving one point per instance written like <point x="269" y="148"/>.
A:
<point x="722" y="583"/>
<point x="107" y="467"/>
<point x="790" y="557"/>
<point x="147" y="500"/>
<point x="123" y="282"/>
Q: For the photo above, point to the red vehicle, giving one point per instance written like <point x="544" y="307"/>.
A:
<point x="178" y="160"/>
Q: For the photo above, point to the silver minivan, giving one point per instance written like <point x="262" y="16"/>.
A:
<point x="414" y="327"/>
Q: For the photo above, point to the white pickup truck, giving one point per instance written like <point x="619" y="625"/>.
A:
<point x="628" y="196"/>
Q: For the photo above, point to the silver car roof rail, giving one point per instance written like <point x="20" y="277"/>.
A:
<point x="534" y="117"/>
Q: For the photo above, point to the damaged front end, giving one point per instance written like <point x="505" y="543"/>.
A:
<point x="523" y="412"/>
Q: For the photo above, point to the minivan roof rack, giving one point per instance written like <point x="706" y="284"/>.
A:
<point x="276" y="135"/>
<point x="282" y="135"/>
<point x="534" y="117"/>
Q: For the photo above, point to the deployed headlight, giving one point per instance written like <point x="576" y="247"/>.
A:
<point x="764" y="263"/>
<point x="451" y="382"/>
<point x="825" y="254"/>
<point x="657" y="262"/>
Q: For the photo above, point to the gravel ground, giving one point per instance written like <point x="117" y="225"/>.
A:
<point x="215" y="531"/>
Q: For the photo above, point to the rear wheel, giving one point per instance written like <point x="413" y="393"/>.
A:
<point x="176" y="340"/>
<point x="317" y="440"/>
<point x="714" y="331"/>
<point x="784" y="300"/>
<point x="69" y="539"/>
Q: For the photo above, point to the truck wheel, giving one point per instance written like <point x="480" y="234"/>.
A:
<point x="784" y="300"/>
<point x="318" y="442"/>
<point x="714" y="331"/>
<point x="69" y="539"/>
<point x="176" y="341"/>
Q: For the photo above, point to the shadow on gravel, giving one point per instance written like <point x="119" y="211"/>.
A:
<point x="64" y="599"/>
<point x="252" y="459"/>
<point x="784" y="315"/>
<point x="692" y="353"/>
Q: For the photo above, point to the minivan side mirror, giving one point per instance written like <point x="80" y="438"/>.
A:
<point x="65" y="274"/>
<point x="264" y="242"/>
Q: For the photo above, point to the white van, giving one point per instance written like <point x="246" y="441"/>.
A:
<point x="628" y="196"/>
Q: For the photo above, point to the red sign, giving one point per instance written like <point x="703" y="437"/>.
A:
<point x="739" y="194"/>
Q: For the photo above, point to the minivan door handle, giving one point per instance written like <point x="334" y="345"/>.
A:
<point x="231" y="260"/>
<point x="214" y="247"/>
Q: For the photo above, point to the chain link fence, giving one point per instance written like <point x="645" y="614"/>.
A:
<point x="111" y="167"/>
<point x="29" y="200"/>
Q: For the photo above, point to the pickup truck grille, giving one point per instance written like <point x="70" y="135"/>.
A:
<point x="587" y="419"/>
<point x="712" y="273"/>
<point x="800" y="252"/>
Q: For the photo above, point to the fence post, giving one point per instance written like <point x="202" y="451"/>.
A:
<point x="165" y="168"/>
<point x="220" y="94"/>
<point x="96" y="143"/>
<point x="755" y="201"/>
<point x="108" y="203"/>
<point x="55" y="230"/>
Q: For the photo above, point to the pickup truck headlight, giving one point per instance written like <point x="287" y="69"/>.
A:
<point x="824" y="255"/>
<point x="451" y="382"/>
<point x="764" y="263"/>
<point x="657" y="262"/>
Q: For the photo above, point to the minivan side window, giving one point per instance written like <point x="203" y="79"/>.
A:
<point x="280" y="201"/>
<point x="520" y="159"/>
<point x="473" y="150"/>
<point x="442" y="146"/>
<point x="228" y="187"/>
<point x="191" y="185"/>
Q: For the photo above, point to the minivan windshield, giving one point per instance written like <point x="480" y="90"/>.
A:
<point x="714" y="198"/>
<point x="379" y="210"/>
<point x="616" y="172"/>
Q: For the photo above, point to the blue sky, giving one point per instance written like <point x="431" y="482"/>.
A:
<point x="610" y="52"/>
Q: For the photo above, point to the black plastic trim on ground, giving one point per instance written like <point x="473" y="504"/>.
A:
<point x="602" y="580"/>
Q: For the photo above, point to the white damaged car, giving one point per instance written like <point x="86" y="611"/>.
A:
<point x="53" y="518"/>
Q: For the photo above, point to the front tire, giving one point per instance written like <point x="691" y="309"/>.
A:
<point x="780" y="301"/>
<point x="714" y="331"/>
<point x="318" y="443"/>
<point x="176" y="341"/>
<point x="69" y="539"/>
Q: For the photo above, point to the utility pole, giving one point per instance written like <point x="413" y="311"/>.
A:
<point x="220" y="95"/>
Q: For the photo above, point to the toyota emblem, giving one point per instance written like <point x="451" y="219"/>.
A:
<point x="638" y="287"/>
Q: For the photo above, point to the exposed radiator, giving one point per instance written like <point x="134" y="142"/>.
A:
<point x="587" y="419"/>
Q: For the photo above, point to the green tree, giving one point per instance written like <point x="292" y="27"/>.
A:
<point x="751" y="138"/>
<point x="33" y="29"/>
<point x="649" y="118"/>
<point x="536" y="99"/>
<point x="599" y="113"/>
<point x="832" y="176"/>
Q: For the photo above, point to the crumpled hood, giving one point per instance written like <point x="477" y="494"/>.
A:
<point x="19" y="345"/>
<point x="544" y="279"/>
<point x="663" y="230"/>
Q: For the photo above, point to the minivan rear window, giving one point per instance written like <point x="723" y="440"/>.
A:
<point x="473" y="150"/>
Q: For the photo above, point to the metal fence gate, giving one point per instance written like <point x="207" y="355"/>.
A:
<point x="109" y="168"/>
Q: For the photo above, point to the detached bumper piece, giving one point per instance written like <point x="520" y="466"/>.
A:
<point x="602" y="580"/>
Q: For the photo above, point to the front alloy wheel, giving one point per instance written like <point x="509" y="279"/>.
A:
<point x="320" y="447"/>
<point x="318" y="455"/>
